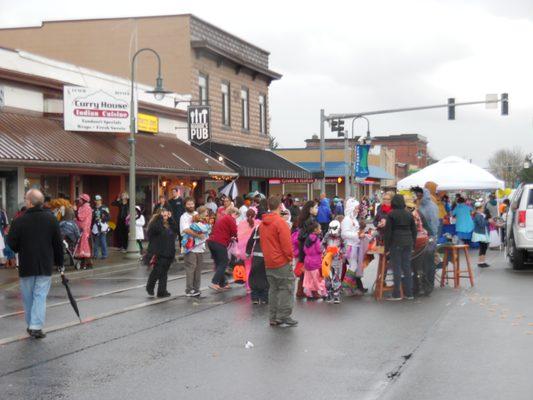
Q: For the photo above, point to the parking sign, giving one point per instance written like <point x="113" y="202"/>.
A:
<point x="199" y="124"/>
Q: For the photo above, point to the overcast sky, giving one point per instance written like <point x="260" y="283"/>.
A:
<point x="354" y="56"/>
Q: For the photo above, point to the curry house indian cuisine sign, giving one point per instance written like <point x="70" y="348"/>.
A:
<point x="96" y="110"/>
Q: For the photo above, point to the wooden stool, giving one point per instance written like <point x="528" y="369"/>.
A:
<point x="381" y="278"/>
<point x="452" y="254"/>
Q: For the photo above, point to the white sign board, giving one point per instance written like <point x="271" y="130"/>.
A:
<point x="96" y="110"/>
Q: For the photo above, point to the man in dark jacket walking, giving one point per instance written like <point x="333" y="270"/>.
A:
<point x="400" y="236"/>
<point x="36" y="237"/>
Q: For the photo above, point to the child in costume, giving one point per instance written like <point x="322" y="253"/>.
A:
<point x="313" y="282"/>
<point x="332" y="245"/>
<point x="257" y="279"/>
<point x="200" y="224"/>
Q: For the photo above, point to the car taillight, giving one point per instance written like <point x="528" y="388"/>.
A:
<point x="522" y="219"/>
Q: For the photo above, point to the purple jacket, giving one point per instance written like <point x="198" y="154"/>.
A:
<point x="313" y="253"/>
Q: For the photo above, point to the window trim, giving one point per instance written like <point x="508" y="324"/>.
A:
<point x="206" y="77"/>
<point x="245" y="128"/>
<point x="228" y="85"/>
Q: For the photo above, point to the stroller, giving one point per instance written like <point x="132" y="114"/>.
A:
<point x="71" y="237"/>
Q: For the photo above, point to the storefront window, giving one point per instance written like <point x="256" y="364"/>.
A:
<point x="50" y="185"/>
<point x="298" y="190"/>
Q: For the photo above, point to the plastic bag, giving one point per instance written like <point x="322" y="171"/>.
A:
<point x="494" y="239"/>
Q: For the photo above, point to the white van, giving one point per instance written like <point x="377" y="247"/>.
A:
<point x="519" y="235"/>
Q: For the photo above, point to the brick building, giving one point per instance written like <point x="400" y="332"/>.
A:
<point x="411" y="151"/>
<point x="216" y="68"/>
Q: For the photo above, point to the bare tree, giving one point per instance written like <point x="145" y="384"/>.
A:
<point x="507" y="164"/>
<point x="273" y="143"/>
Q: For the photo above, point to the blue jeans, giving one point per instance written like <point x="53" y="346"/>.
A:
<point x="34" y="291"/>
<point x="400" y="259"/>
<point x="100" y="242"/>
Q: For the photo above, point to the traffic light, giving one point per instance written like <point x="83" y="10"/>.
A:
<point x="341" y="125"/>
<point x="334" y="125"/>
<point x="451" y="109"/>
<point x="505" y="104"/>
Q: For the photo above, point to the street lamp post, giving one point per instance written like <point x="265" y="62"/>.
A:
<point x="132" y="251"/>
<point x="367" y="139"/>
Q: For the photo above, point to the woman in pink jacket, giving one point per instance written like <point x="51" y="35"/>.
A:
<point x="84" y="222"/>
<point x="313" y="284"/>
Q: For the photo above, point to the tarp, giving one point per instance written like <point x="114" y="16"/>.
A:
<point x="453" y="173"/>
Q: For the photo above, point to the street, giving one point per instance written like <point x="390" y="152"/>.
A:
<point x="456" y="342"/>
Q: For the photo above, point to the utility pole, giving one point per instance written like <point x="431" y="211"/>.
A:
<point x="322" y="152"/>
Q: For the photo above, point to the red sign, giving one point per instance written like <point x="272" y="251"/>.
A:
<point x="290" y="180"/>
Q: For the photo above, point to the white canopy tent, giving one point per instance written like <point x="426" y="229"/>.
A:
<point x="453" y="173"/>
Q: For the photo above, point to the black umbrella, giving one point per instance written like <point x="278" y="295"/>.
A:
<point x="71" y="298"/>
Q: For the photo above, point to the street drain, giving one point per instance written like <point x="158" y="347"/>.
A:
<point x="395" y="373"/>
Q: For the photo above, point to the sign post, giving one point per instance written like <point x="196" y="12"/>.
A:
<point x="199" y="124"/>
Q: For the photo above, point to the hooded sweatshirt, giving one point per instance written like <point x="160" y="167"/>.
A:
<point x="276" y="241"/>
<point x="430" y="211"/>
<point x="432" y="187"/>
<point x="313" y="252"/>
<point x="400" y="229"/>
<point x="324" y="212"/>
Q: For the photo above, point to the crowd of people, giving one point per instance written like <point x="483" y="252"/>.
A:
<point x="283" y="249"/>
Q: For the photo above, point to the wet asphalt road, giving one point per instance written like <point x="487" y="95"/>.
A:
<point x="468" y="344"/>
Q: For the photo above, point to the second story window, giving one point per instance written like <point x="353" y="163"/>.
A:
<point x="245" y="109"/>
<point x="225" y="89"/>
<point x="262" y="114"/>
<point x="203" y="89"/>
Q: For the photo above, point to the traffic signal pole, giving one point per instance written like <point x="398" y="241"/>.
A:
<point x="450" y="105"/>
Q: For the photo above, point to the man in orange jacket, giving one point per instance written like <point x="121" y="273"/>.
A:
<point x="276" y="244"/>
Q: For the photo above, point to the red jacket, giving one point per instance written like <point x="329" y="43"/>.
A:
<point x="224" y="230"/>
<point x="276" y="242"/>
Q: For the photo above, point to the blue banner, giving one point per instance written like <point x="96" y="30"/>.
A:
<point x="361" y="160"/>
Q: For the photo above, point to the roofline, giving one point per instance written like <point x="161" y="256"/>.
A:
<point x="205" y="44"/>
<point x="190" y="15"/>
<point x="107" y="167"/>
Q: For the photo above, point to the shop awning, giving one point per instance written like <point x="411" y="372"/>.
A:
<point x="255" y="163"/>
<point x="336" y="169"/>
<point x="39" y="141"/>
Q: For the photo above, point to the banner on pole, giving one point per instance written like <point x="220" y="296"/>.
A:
<point x="361" y="160"/>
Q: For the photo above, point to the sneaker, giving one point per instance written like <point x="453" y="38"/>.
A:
<point x="483" y="265"/>
<point x="150" y="292"/>
<point x="288" y="323"/>
<point x="274" y="322"/>
<point x="393" y="299"/>
<point x="37" y="334"/>
<point x="263" y="301"/>
<point x="255" y="301"/>
<point x="329" y="300"/>
<point x="165" y="294"/>
<point x="410" y="297"/>
<point x="190" y="293"/>
<point x="197" y="293"/>
<point x="337" y="300"/>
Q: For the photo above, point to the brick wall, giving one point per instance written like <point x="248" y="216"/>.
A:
<point x="406" y="152"/>
<point x="224" y="73"/>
